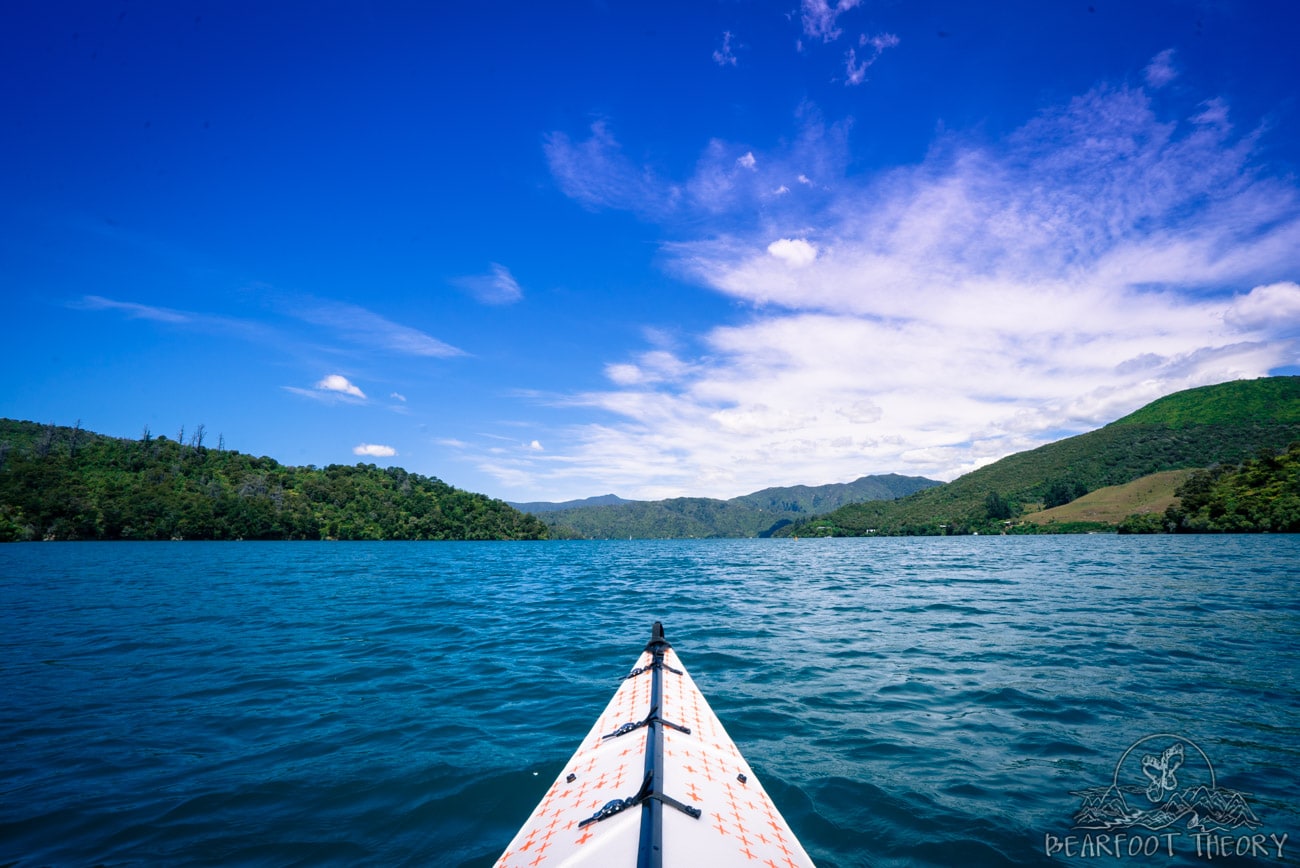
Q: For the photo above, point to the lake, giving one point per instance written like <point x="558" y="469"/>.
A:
<point x="932" y="701"/>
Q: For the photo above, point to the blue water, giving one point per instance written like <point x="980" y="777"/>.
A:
<point x="905" y="701"/>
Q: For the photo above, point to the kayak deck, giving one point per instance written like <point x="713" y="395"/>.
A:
<point x="657" y="781"/>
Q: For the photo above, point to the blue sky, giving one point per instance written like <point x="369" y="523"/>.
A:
<point x="554" y="250"/>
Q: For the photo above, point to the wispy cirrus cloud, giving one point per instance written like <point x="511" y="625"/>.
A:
<point x="936" y="317"/>
<point x="133" y="310"/>
<point x="1161" y="70"/>
<point x="239" y="327"/>
<point x="855" y="67"/>
<point x="819" y="18"/>
<point x="366" y="328"/>
<point x="350" y="322"/>
<point x="726" y="178"/>
<point x="724" y="56"/>
<point x="596" y="173"/>
<point x="498" y="287"/>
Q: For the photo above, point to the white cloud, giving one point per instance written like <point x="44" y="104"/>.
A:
<point x="341" y="384"/>
<point x="656" y="366"/>
<point x="397" y="396"/>
<point x="795" y="252"/>
<point x="724" y="56"/>
<point x="1275" y="307"/>
<point x="819" y="18"/>
<point x="536" y="446"/>
<point x="374" y="450"/>
<point x="1161" y="71"/>
<point x="747" y="161"/>
<point x="982" y="302"/>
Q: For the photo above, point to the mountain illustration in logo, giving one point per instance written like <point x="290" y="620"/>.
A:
<point x="1172" y="786"/>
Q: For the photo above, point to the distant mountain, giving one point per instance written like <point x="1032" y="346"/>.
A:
<point x="750" y="515"/>
<point x="820" y="498"/>
<point x="540" y="506"/>
<point x="1212" y="425"/>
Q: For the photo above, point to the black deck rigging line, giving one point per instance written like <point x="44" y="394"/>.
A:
<point x="650" y="667"/>
<point x="617" y="806"/>
<point x="651" y="718"/>
<point x="650" y="849"/>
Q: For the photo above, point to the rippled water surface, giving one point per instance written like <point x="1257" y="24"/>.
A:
<point x="905" y="702"/>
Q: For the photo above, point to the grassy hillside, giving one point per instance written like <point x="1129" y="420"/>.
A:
<point x="65" y="483"/>
<point x="1244" y="418"/>
<point x="1149" y="495"/>
<point x="750" y="515"/>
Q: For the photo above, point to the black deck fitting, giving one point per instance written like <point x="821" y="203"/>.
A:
<point x="657" y="641"/>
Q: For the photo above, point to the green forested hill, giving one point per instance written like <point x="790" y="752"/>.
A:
<point x="1242" y="419"/>
<point x="1242" y="403"/>
<point x="65" y="483"/>
<point x="757" y="514"/>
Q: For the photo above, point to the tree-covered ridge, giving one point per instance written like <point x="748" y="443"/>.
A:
<point x="61" y="483"/>
<point x="991" y="499"/>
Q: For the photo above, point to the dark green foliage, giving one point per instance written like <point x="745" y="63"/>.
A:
<point x="1058" y="527"/>
<point x="1143" y="523"/>
<point x="996" y="506"/>
<point x="64" y="483"/>
<point x="1147" y="441"/>
<point x="1060" y="492"/>
<point x="1260" y="495"/>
